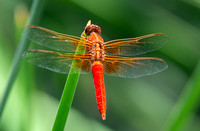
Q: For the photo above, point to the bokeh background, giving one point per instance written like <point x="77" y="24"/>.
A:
<point x="142" y="104"/>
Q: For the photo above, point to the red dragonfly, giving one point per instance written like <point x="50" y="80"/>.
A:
<point x="99" y="56"/>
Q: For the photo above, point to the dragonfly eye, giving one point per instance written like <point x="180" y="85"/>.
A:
<point x="92" y="28"/>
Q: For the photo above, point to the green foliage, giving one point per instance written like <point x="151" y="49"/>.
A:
<point x="23" y="45"/>
<point x="186" y="105"/>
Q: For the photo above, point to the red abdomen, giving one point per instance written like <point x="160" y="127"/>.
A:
<point x="97" y="70"/>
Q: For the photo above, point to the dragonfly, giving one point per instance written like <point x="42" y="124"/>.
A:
<point x="115" y="57"/>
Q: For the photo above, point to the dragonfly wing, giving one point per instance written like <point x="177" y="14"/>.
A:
<point x="133" y="67"/>
<point x="58" y="62"/>
<point x="52" y="39"/>
<point x="135" y="46"/>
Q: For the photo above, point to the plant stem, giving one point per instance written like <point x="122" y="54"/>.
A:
<point x="69" y="91"/>
<point x="186" y="105"/>
<point x="35" y="12"/>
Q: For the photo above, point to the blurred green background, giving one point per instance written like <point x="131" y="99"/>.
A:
<point x="142" y="104"/>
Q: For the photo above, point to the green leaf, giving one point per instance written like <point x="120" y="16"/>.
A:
<point x="187" y="104"/>
<point x="68" y="92"/>
<point x="35" y="12"/>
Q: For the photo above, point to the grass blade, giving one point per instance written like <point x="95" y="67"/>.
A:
<point x="187" y="104"/>
<point x="68" y="93"/>
<point x="35" y="13"/>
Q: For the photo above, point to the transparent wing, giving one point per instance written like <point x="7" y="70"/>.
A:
<point x="58" y="62"/>
<point x="52" y="39"/>
<point x="133" y="67"/>
<point x="135" y="46"/>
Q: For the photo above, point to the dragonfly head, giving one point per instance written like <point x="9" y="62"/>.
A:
<point x="92" y="28"/>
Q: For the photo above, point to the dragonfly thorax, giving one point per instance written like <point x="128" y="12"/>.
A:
<point x="97" y="47"/>
<point x="97" y="52"/>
